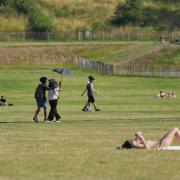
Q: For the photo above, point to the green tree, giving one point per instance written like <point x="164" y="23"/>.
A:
<point x="38" y="22"/>
<point x="128" y="13"/>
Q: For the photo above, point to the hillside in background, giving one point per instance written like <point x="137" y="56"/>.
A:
<point x="66" y="15"/>
<point x="70" y="15"/>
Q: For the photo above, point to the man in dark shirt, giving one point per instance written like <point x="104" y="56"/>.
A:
<point x="90" y="93"/>
<point x="40" y="96"/>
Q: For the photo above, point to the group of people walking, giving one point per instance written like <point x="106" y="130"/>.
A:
<point x="53" y="89"/>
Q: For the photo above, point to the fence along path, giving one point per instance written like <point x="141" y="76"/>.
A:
<point x="52" y="55"/>
<point x="129" y="69"/>
<point x="114" y="34"/>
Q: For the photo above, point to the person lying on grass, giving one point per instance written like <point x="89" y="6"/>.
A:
<point x="139" y="142"/>
<point x="162" y="94"/>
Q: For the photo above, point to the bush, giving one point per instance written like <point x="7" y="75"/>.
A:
<point x="162" y="18"/>
<point x="38" y="22"/>
<point x="70" y="11"/>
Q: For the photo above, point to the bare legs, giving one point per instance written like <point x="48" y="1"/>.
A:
<point x="37" y="112"/>
<point x="87" y="106"/>
<point x="45" y="114"/>
<point x="95" y="107"/>
<point x="168" y="138"/>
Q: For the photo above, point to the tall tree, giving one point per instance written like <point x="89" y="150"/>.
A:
<point x="130" y="12"/>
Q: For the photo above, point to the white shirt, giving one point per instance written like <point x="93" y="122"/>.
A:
<point x="53" y="94"/>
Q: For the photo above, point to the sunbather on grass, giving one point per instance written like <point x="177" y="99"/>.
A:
<point x="139" y="142"/>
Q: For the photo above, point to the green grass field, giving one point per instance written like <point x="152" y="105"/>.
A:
<point x="83" y="146"/>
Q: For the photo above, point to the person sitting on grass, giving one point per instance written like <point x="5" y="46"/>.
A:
<point x="90" y="93"/>
<point x="2" y="101"/>
<point x="139" y="142"/>
<point x="162" y="94"/>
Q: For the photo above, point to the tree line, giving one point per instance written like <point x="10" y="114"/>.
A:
<point x="164" y="16"/>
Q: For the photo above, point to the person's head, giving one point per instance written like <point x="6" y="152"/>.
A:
<point x="127" y="144"/>
<point x="43" y="80"/>
<point x="91" y="78"/>
<point x="53" y="83"/>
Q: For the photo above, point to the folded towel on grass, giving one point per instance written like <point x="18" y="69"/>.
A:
<point x="171" y="148"/>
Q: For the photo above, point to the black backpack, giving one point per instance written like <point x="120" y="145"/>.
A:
<point x="53" y="84"/>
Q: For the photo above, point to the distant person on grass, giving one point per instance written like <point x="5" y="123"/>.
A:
<point x="162" y="94"/>
<point x="53" y="96"/>
<point x="40" y="96"/>
<point x="90" y="93"/>
<point x="2" y="101"/>
<point x="139" y="142"/>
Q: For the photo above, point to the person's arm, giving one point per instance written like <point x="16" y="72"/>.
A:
<point x="140" y="137"/>
<point x="60" y="85"/>
<point x="46" y="88"/>
<point x="94" y="89"/>
<point x="83" y="92"/>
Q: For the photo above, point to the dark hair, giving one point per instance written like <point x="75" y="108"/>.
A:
<point x="53" y="83"/>
<point x="91" y="78"/>
<point x="43" y="79"/>
<point x="127" y="144"/>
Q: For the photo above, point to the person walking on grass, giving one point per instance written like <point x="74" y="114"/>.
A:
<point x="90" y="93"/>
<point x="40" y="96"/>
<point x="53" y="96"/>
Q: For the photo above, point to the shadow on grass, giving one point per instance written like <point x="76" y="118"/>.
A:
<point x="103" y="121"/>
<point x="16" y="122"/>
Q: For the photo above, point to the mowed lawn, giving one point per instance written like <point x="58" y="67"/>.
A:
<point x="83" y="146"/>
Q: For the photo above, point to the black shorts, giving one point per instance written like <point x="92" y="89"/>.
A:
<point x="91" y="99"/>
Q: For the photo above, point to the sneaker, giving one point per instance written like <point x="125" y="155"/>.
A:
<point x="35" y="119"/>
<point x="97" y="109"/>
<point x="58" y="120"/>
<point x="85" y="109"/>
<point x="47" y="121"/>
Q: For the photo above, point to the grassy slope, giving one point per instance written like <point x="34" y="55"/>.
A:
<point x="66" y="15"/>
<point x="115" y="52"/>
<point x="83" y="146"/>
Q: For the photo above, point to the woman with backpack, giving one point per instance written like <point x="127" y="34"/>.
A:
<point x="53" y="96"/>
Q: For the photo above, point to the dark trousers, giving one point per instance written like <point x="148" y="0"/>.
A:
<point x="53" y="111"/>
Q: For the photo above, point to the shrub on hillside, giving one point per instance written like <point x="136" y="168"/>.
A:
<point x="38" y="22"/>
<point x="161" y="16"/>
<point x="70" y="11"/>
